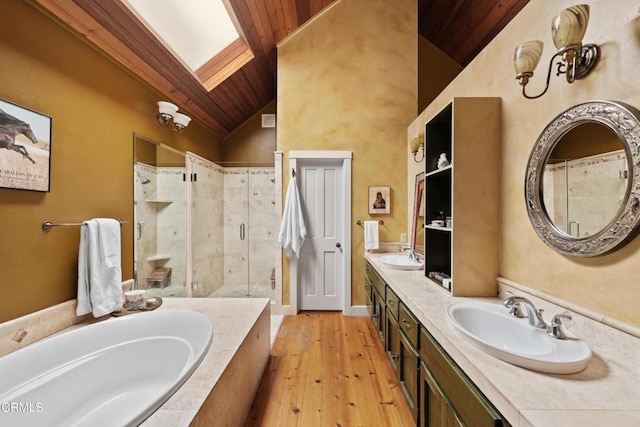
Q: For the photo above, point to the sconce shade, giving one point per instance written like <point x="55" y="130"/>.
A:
<point x="181" y="120"/>
<point x="568" y="27"/>
<point x="415" y="144"/>
<point x="165" y="107"/>
<point x="526" y="56"/>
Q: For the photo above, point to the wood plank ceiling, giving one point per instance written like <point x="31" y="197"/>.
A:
<point x="460" y="28"/>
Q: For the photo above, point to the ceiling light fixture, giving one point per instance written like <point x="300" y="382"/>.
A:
<point x="567" y="30"/>
<point x="168" y="111"/>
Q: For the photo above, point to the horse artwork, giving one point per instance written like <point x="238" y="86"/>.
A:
<point x="26" y="136"/>
<point x="10" y="127"/>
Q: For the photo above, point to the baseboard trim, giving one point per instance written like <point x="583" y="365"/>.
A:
<point x="359" y="310"/>
<point x="356" y="310"/>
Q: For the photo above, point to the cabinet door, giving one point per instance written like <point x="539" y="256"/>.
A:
<point x="435" y="409"/>
<point x="378" y="312"/>
<point x="472" y="407"/>
<point x="392" y="343"/>
<point x="368" y="289"/>
<point x="407" y="370"/>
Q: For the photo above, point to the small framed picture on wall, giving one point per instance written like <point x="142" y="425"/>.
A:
<point x="379" y="200"/>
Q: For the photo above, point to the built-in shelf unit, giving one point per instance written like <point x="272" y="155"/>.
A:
<point x="467" y="130"/>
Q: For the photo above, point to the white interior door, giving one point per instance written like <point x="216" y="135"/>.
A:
<point x="321" y="278"/>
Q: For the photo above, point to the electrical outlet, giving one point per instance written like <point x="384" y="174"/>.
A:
<point x="403" y="237"/>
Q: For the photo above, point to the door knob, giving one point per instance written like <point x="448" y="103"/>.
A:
<point x="338" y="245"/>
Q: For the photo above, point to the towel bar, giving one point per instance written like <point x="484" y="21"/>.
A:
<point x="48" y="225"/>
<point x="359" y="222"/>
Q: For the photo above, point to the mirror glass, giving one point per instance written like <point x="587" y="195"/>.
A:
<point x="585" y="180"/>
<point x="582" y="187"/>
<point x="159" y="209"/>
<point x="417" y="232"/>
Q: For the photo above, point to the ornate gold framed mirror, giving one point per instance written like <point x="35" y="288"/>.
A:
<point x="582" y="184"/>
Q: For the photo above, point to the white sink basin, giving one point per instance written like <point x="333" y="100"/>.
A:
<point x="401" y="262"/>
<point x="490" y="328"/>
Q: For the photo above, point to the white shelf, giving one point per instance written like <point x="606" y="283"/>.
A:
<point x="433" y="227"/>
<point x="158" y="201"/>
<point x="437" y="171"/>
<point x="159" y="257"/>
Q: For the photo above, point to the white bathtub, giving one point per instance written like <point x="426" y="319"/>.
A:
<point x="112" y="373"/>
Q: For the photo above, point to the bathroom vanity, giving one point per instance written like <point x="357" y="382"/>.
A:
<point x="446" y="379"/>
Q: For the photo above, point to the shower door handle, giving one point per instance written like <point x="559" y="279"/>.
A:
<point x="242" y="231"/>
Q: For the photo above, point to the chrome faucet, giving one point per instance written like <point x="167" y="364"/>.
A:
<point x="534" y="315"/>
<point x="412" y="254"/>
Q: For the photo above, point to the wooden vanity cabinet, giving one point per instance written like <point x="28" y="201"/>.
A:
<point x="402" y="348"/>
<point x="378" y="315"/>
<point x="392" y="341"/>
<point x="377" y="291"/>
<point x="435" y="409"/>
<point x="448" y="396"/>
<point x="368" y="292"/>
<point x="438" y="392"/>
<point x="409" y="359"/>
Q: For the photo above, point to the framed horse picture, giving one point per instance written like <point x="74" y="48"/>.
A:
<point x="25" y="148"/>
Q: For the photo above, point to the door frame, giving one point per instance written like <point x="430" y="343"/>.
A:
<point x="346" y="157"/>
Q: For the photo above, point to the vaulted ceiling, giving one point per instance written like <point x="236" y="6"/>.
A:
<point x="242" y="79"/>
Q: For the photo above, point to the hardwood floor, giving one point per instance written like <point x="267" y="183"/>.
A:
<point x="327" y="369"/>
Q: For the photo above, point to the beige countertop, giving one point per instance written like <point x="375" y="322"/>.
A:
<point x="606" y="392"/>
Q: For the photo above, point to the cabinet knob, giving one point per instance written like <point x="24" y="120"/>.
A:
<point x="338" y="245"/>
<point x="406" y="324"/>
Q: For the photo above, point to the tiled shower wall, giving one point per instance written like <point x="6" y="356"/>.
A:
<point x="161" y="205"/>
<point x="600" y="175"/>
<point x="172" y="226"/>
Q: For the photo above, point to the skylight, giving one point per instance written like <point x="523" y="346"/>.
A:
<point x="195" y="30"/>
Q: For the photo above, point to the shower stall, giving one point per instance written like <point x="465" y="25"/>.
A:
<point x="203" y="229"/>
<point x="582" y="195"/>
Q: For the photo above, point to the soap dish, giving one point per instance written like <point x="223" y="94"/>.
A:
<point x="152" y="304"/>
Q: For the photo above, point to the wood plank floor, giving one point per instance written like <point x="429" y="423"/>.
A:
<point x="327" y="369"/>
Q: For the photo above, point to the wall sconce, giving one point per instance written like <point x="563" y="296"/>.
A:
<point x="168" y="111"/>
<point x="416" y="144"/>
<point x="567" y="30"/>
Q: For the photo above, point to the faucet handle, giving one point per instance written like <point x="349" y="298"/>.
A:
<point x="514" y="307"/>
<point x="555" y="327"/>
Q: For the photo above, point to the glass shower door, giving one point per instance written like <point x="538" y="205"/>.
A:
<point x="250" y="239"/>
<point x="263" y="244"/>
<point x="205" y="246"/>
<point x="236" y="232"/>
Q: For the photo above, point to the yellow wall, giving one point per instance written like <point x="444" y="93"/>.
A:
<point x="95" y="107"/>
<point x="435" y="72"/>
<point x="348" y="81"/>
<point x="251" y="142"/>
<point x="607" y="284"/>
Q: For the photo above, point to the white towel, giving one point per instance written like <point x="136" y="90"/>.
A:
<point x="292" y="229"/>
<point x="99" y="267"/>
<point x="371" y="235"/>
